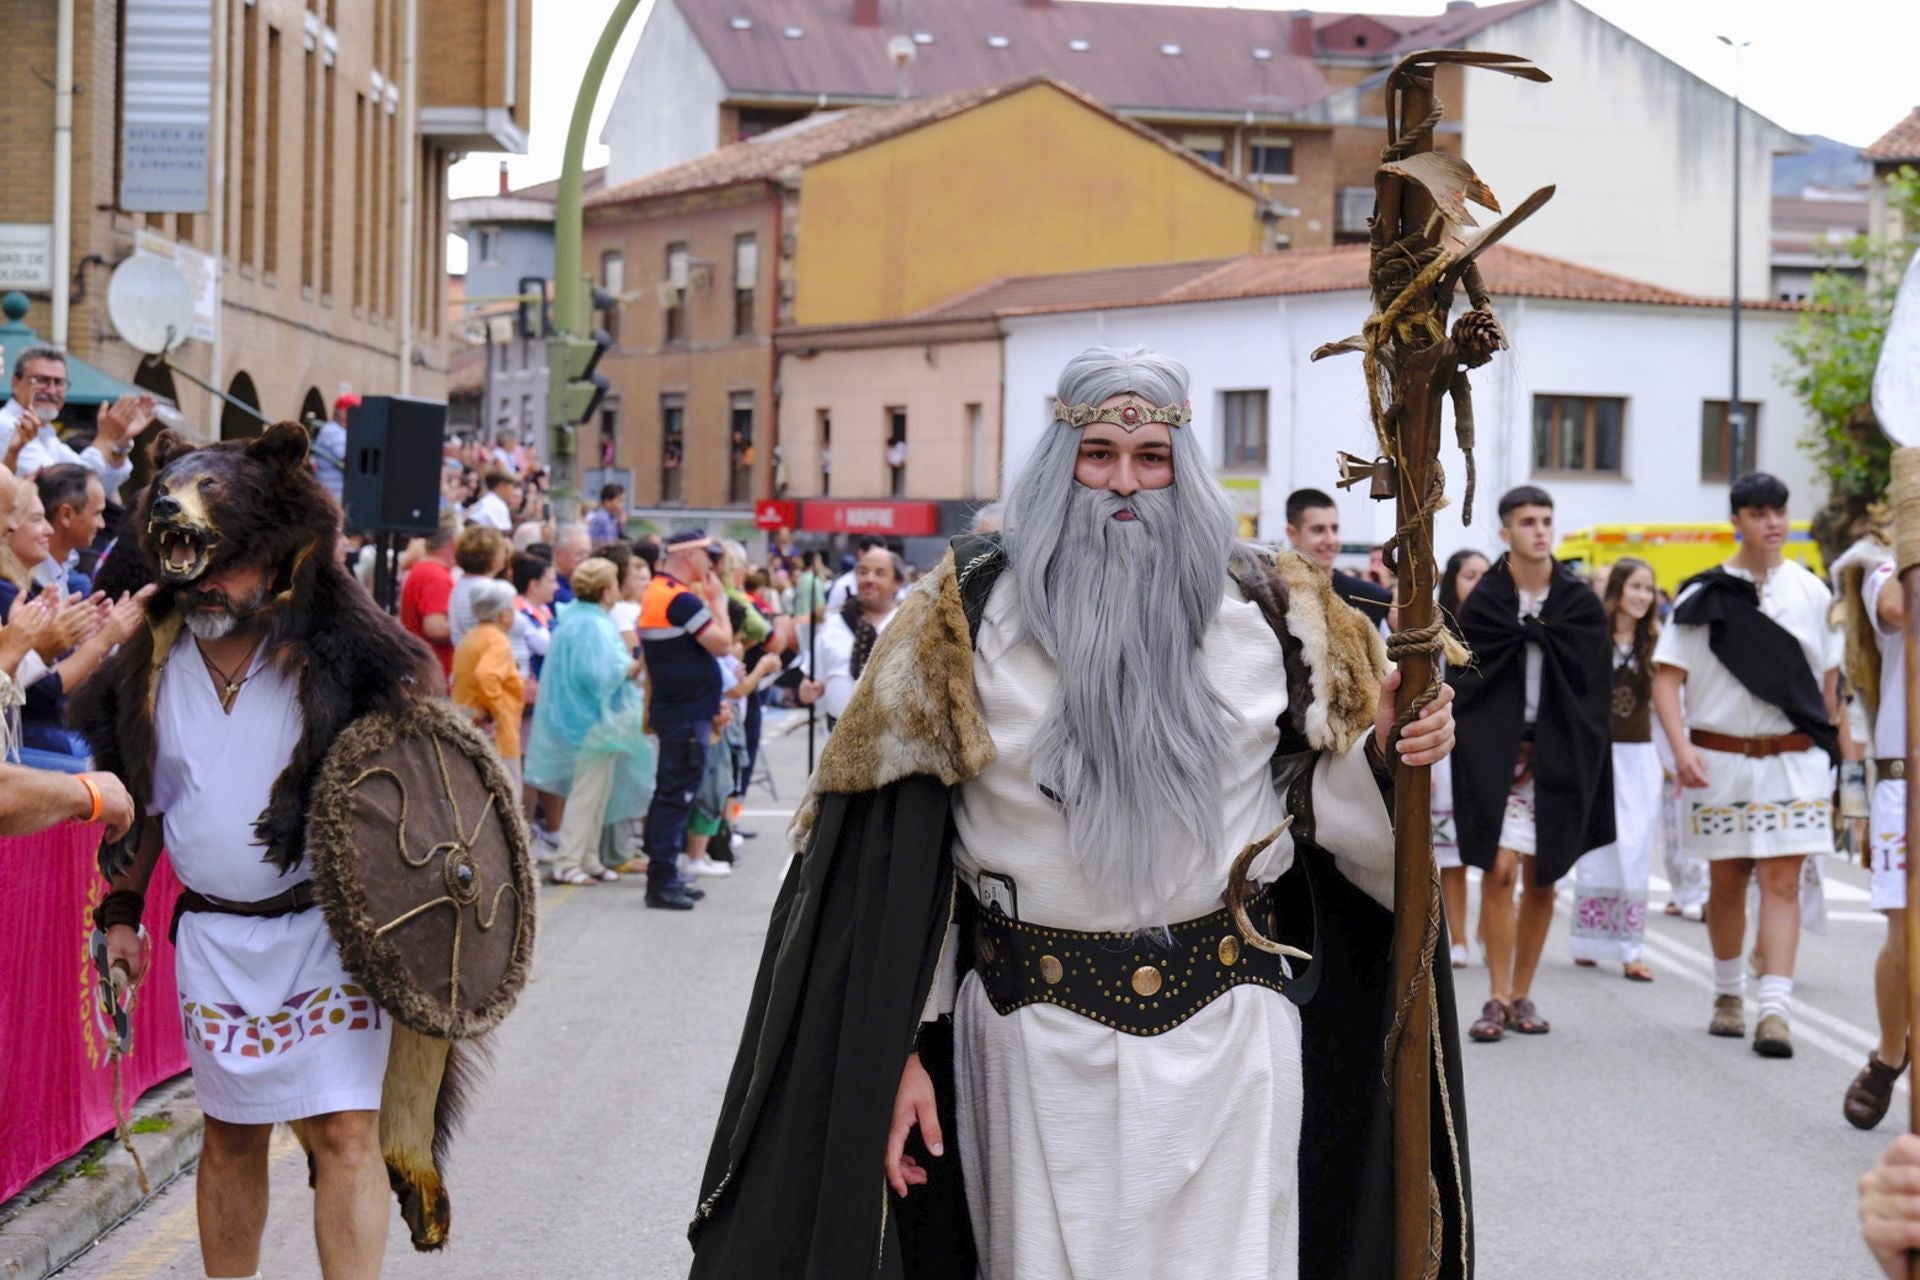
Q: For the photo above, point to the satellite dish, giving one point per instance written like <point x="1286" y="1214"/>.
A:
<point x="1896" y="382"/>
<point x="901" y="49"/>
<point x="150" y="304"/>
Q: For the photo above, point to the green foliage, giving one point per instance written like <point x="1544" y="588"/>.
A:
<point x="159" y="1123"/>
<point x="1833" y="348"/>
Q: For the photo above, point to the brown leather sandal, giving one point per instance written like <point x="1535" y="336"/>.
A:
<point x="1871" y="1093"/>
<point x="1492" y="1023"/>
<point x="1527" y="1020"/>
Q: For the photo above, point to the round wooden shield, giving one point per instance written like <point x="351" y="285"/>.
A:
<point x="420" y="862"/>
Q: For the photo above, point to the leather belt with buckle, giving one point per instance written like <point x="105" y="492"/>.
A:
<point x="1892" y="769"/>
<point x="1779" y="744"/>
<point x="1131" y="982"/>
<point x="292" y="902"/>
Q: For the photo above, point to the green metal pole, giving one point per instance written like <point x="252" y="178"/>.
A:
<point x="570" y="310"/>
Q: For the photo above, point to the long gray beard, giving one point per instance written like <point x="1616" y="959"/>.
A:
<point x="1131" y="745"/>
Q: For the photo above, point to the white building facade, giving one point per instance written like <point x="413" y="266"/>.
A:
<point x="1620" y="395"/>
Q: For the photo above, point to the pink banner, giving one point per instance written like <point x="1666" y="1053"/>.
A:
<point x="56" y="1087"/>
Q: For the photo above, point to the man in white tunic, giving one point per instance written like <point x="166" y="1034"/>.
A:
<point x="258" y="652"/>
<point x="1752" y="645"/>
<point x="1060" y="746"/>
<point x="276" y="1030"/>
<point x="1883" y="616"/>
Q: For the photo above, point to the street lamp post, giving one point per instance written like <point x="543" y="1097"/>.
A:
<point x="1736" y="410"/>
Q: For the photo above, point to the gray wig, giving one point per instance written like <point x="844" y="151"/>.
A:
<point x="1130" y="748"/>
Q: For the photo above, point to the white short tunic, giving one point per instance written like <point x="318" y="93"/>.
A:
<point x="1888" y="822"/>
<point x="275" y="1028"/>
<point x="1090" y="1152"/>
<point x="1771" y="806"/>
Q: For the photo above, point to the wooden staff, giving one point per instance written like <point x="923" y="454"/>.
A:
<point x="1412" y="367"/>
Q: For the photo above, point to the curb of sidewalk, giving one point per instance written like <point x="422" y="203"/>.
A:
<point x="62" y="1213"/>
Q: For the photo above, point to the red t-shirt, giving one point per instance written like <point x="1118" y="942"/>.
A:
<point x="428" y="588"/>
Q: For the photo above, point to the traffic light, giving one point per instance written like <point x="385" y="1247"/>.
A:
<point x="574" y="390"/>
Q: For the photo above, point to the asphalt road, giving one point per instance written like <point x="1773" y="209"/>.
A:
<point x="1627" y="1143"/>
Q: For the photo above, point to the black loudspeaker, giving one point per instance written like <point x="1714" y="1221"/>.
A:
<point x="393" y="465"/>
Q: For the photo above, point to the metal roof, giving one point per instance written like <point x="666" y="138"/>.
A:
<point x="1140" y="58"/>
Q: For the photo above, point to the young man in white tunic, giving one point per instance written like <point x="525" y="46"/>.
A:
<point x="276" y="1029"/>
<point x="1753" y="749"/>
<point x="1131" y="699"/>
<point x="1871" y="1092"/>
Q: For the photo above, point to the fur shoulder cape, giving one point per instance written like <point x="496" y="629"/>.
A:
<point x="794" y="1186"/>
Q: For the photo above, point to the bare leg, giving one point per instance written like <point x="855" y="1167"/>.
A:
<point x="230" y="1195"/>
<point x="350" y="1211"/>
<point x="1496" y="922"/>
<point x="1453" y="897"/>
<point x="1727" y="906"/>
<point x="1890" y="990"/>
<point x="697" y="846"/>
<point x="1536" y="918"/>
<point x="1779" y="932"/>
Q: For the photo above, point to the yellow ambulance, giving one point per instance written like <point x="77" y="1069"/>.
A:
<point x="1676" y="551"/>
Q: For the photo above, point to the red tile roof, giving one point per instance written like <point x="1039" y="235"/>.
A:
<point x="1509" y="272"/>
<point x="1902" y="142"/>
<point x="830" y="133"/>
<point x="1214" y="72"/>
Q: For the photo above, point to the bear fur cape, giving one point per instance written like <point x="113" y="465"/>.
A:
<point x="794" y="1185"/>
<point x="256" y="501"/>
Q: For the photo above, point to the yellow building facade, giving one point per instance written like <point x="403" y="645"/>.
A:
<point x="1039" y="180"/>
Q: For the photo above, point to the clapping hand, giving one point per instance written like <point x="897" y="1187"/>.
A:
<point x="78" y="617"/>
<point x="128" y="612"/>
<point x="25" y="428"/>
<point x="123" y="421"/>
<point x="32" y="629"/>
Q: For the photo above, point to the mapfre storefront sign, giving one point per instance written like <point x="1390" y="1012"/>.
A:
<point x="895" y="519"/>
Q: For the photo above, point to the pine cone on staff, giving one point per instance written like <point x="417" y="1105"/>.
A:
<point x="1478" y="335"/>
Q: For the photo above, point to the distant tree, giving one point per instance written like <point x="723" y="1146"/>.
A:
<point x="1832" y="350"/>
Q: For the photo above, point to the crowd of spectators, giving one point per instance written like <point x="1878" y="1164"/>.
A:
<point x="623" y="677"/>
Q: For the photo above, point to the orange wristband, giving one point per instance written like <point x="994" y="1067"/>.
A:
<point x="93" y="791"/>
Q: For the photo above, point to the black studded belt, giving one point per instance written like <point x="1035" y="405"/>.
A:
<point x="1126" y="981"/>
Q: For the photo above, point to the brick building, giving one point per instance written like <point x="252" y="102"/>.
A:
<point x="862" y="215"/>
<point x="319" y="260"/>
<point x="1293" y="102"/>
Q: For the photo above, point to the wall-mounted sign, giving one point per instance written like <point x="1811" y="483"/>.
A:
<point x="775" y="513"/>
<point x="26" y="255"/>
<point x="166" y="115"/>
<point x="900" y="519"/>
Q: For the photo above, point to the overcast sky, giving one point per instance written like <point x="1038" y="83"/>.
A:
<point x="1843" y="68"/>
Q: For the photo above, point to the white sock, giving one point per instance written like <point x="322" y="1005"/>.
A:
<point x="1774" y="992"/>
<point x="1729" y="977"/>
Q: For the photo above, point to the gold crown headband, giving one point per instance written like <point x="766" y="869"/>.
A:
<point x="1128" y="417"/>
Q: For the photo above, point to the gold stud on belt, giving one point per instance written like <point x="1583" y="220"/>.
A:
<point x="1146" y="980"/>
<point x="1050" y="970"/>
<point x="1229" y="950"/>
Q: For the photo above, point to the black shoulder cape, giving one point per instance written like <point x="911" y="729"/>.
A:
<point x="794" y="1185"/>
<point x="1572" y="758"/>
<point x="1763" y="656"/>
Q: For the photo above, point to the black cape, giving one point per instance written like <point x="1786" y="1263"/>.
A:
<point x="1572" y="759"/>
<point x="794" y="1185"/>
<point x="1760" y="653"/>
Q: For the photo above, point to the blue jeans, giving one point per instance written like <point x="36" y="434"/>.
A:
<point x="683" y="762"/>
